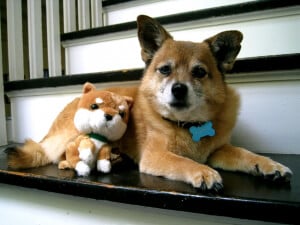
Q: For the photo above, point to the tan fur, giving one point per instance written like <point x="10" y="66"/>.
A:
<point x="160" y="146"/>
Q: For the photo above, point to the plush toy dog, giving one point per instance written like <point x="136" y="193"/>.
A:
<point x="101" y="118"/>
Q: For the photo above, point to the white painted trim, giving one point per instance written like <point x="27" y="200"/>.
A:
<point x="69" y="7"/>
<point x="3" y="133"/>
<point x="15" y="39"/>
<point x="35" y="42"/>
<point x="83" y="14"/>
<point x="96" y="13"/>
<point x="53" y="38"/>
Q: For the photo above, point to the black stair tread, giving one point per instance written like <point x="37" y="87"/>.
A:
<point x="244" y="196"/>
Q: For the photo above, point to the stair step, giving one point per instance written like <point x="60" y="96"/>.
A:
<point x="243" y="197"/>
<point x="263" y="23"/>
<point x="253" y="77"/>
<point x="221" y="11"/>
<point x="247" y="65"/>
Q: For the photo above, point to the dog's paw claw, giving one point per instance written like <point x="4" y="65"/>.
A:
<point x="203" y="187"/>
<point x="278" y="177"/>
<point x="287" y="176"/>
<point x="217" y="187"/>
<point x="273" y="171"/>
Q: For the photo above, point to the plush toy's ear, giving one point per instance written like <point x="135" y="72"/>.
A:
<point x="87" y="87"/>
<point x="129" y="101"/>
<point x="225" y="47"/>
<point x="151" y="36"/>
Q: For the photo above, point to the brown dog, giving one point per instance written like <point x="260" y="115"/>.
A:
<point x="183" y="112"/>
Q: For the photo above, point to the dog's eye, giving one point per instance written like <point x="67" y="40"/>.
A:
<point x="165" y="70"/>
<point x="122" y="114"/>
<point x="94" y="106"/>
<point x="198" y="72"/>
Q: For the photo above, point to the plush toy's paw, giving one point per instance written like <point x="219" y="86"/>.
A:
<point x="64" y="165"/>
<point x="86" y="155"/>
<point x="104" y="165"/>
<point x="82" y="169"/>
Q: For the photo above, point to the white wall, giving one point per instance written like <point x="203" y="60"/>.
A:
<point x="33" y="207"/>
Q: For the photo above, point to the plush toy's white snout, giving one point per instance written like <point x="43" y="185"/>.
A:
<point x="97" y="121"/>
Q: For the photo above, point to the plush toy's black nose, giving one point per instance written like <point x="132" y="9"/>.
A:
<point x="179" y="91"/>
<point x="108" y="117"/>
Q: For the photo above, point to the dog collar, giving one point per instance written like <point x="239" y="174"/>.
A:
<point x="198" y="130"/>
<point x="98" y="137"/>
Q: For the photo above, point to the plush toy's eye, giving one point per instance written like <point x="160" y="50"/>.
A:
<point x="122" y="114"/>
<point x="94" y="106"/>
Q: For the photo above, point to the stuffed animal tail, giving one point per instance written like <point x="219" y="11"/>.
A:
<point x="30" y="155"/>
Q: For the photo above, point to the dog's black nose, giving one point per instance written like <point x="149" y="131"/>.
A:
<point x="108" y="117"/>
<point x="179" y="91"/>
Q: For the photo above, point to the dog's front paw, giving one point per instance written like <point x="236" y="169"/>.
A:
<point x="207" y="179"/>
<point x="86" y="155"/>
<point x="82" y="169"/>
<point x="274" y="171"/>
<point x="104" y="165"/>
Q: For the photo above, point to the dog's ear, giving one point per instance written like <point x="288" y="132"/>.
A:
<point x="225" y="46"/>
<point x="151" y="36"/>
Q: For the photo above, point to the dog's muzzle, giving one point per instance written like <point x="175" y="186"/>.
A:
<point x="179" y="93"/>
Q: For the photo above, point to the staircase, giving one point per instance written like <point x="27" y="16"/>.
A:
<point x="267" y="72"/>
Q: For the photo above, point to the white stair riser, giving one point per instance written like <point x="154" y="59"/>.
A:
<point x="127" y="12"/>
<point x="268" y="121"/>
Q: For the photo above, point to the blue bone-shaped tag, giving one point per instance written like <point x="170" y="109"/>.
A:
<point x="201" y="131"/>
